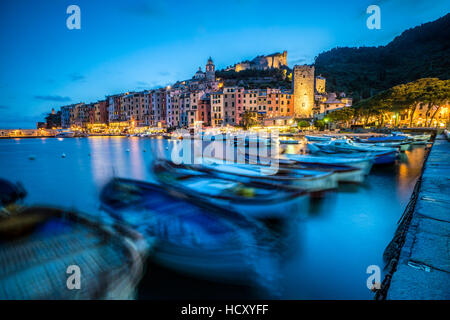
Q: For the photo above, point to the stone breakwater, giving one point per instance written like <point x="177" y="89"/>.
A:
<point x="423" y="270"/>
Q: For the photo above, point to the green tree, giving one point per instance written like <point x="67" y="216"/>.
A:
<point x="303" y="124"/>
<point x="249" y="119"/>
<point x="405" y="98"/>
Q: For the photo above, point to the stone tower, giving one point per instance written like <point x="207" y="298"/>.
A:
<point x="210" y="70"/>
<point x="303" y="84"/>
<point x="320" y="84"/>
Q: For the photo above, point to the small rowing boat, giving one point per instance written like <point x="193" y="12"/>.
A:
<point x="347" y="148"/>
<point x="40" y="247"/>
<point x="402" y="145"/>
<point x="318" y="138"/>
<point x="289" y="141"/>
<point x="253" y="199"/>
<point x="305" y="179"/>
<point x="365" y="164"/>
<point x="191" y="236"/>
<point x="342" y="173"/>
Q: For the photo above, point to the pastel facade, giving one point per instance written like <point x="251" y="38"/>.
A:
<point x="158" y="105"/>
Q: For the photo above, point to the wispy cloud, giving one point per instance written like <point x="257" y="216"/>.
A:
<point x="76" y="77"/>
<point x="53" y="98"/>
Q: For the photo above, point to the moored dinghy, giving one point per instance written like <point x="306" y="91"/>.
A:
<point x="253" y="199"/>
<point x="38" y="244"/>
<point x="306" y="179"/>
<point x="192" y="236"/>
<point x="402" y="145"/>
<point x="342" y="173"/>
<point x="347" y="148"/>
<point x="365" y="164"/>
<point x="318" y="138"/>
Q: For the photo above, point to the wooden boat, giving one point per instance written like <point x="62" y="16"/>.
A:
<point x="305" y="179"/>
<point x="253" y="199"/>
<point x="402" y="145"/>
<point x="318" y="138"/>
<point x="38" y="244"/>
<point x="390" y="138"/>
<point x="347" y="148"/>
<point x="421" y="139"/>
<point x="416" y="139"/>
<point x="66" y="134"/>
<point x="191" y="236"/>
<point x="289" y="141"/>
<point x="365" y="164"/>
<point x="342" y="173"/>
<point x="286" y="134"/>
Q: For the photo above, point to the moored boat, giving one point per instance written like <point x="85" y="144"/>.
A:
<point x="365" y="164"/>
<point x="342" y="172"/>
<point x="191" y="236"/>
<point x="347" y="148"/>
<point x="317" y="138"/>
<point x="402" y="145"/>
<point x="289" y="141"/>
<point x="66" y="134"/>
<point x="40" y="247"/>
<point x="306" y="179"/>
<point x="253" y="199"/>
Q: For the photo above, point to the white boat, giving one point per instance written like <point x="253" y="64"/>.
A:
<point x="318" y="138"/>
<point x="365" y="164"/>
<point x="414" y="139"/>
<point x="289" y="141"/>
<point x="65" y="134"/>
<point x="401" y="145"/>
<point x="348" y="148"/>
<point x="342" y="172"/>
<point x="421" y="138"/>
<point x="309" y="180"/>
<point x="252" y="199"/>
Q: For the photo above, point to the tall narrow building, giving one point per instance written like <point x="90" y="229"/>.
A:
<point x="210" y="70"/>
<point x="303" y="84"/>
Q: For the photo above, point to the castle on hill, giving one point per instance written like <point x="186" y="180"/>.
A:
<point x="271" y="61"/>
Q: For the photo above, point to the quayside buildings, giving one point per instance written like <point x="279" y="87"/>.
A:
<point x="204" y="99"/>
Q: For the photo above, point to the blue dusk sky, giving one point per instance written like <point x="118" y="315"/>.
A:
<point x="136" y="44"/>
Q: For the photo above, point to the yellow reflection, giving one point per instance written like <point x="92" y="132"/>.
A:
<point x="409" y="170"/>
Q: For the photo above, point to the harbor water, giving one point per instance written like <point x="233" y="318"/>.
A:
<point x="322" y="252"/>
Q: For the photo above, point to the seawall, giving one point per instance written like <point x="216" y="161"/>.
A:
<point x="423" y="269"/>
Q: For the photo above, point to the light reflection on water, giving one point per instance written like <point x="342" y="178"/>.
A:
<point x="322" y="256"/>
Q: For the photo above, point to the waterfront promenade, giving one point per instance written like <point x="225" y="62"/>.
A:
<point x="423" y="270"/>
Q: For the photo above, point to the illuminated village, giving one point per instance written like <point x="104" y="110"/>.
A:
<point x="211" y="101"/>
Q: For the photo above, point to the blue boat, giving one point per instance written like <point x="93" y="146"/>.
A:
<point x="347" y="148"/>
<point x="391" y="138"/>
<point x="190" y="236"/>
<point x="254" y="199"/>
<point x="342" y="173"/>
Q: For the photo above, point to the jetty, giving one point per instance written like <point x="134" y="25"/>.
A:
<point x="423" y="266"/>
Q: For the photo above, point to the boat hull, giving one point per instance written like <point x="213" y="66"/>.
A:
<point x="191" y="236"/>
<point x="364" y="164"/>
<point x="309" y="180"/>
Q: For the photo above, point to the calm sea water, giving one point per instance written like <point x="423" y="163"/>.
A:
<point x="323" y="255"/>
